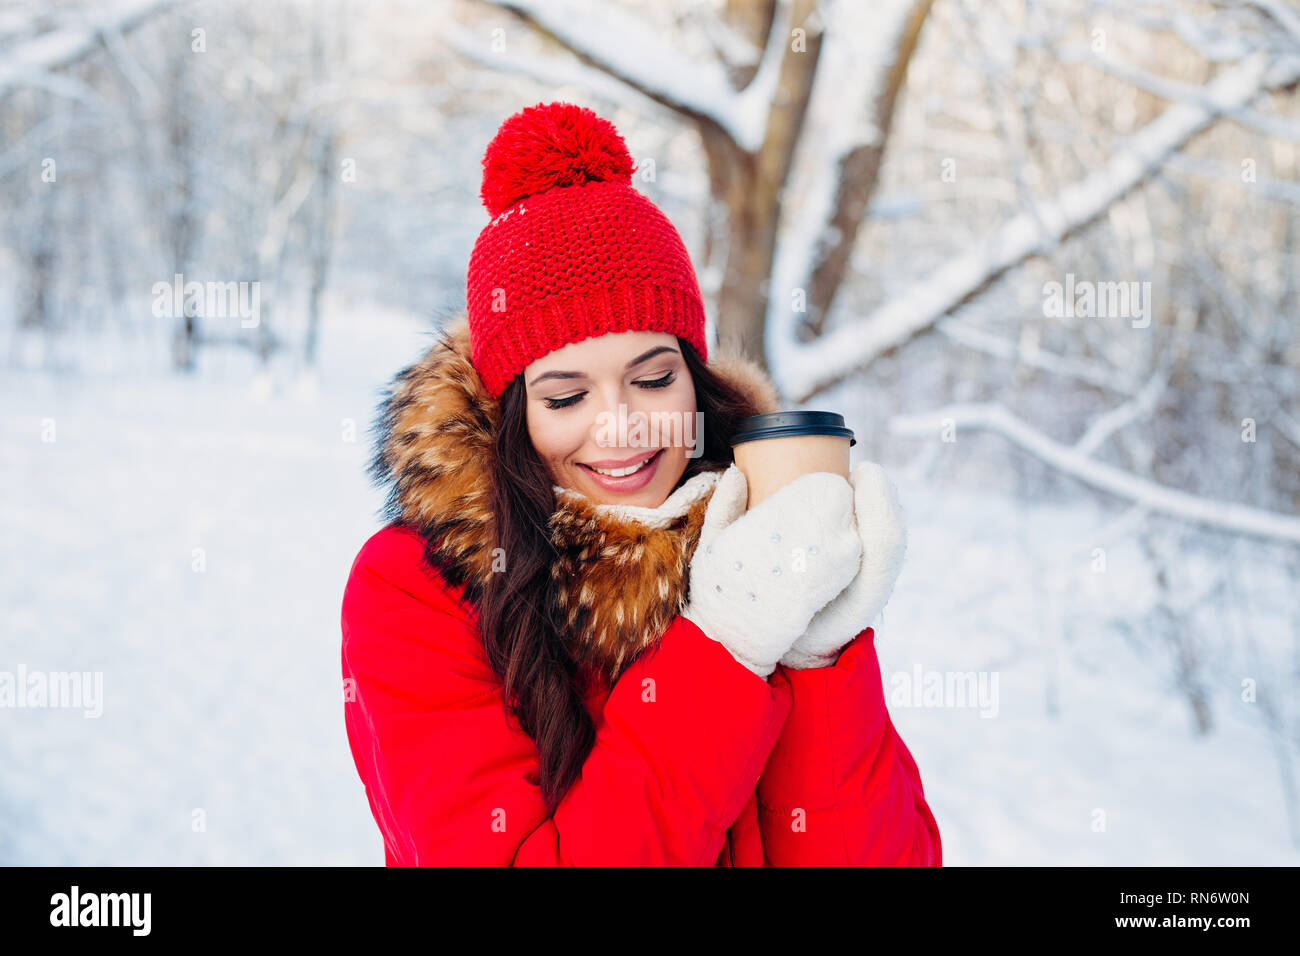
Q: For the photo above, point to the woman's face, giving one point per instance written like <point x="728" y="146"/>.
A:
<point x="612" y="402"/>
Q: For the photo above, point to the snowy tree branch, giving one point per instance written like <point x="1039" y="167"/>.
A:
<point x="553" y="71"/>
<point x="1223" y="515"/>
<point x="976" y="338"/>
<point x="803" y="371"/>
<point x="860" y="71"/>
<point x="1288" y="20"/>
<point x="1278" y="189"/>
<point x="1141" y="405"/>
<point x="696" y="87"/>
<point x="63" y="47"/>
<point x="1288" y="426"/>
<point x="1184" y="93"/>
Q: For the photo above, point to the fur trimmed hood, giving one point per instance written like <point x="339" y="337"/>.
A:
<point x="621" y="574"/>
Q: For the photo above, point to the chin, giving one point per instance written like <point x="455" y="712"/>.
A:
<point x="645" y="498"/>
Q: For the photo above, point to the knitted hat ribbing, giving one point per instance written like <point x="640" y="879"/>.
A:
<point x="572" y="250"/>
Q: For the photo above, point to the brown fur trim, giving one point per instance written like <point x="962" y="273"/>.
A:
<point x="436" y="432"/>
<point x="747" y="376"/>
<point x="618" y="582"/>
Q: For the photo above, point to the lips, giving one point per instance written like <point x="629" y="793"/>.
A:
<point x="634" y="481"/>
<point x="608" y="464"/>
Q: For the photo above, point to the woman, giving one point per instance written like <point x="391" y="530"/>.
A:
<point x="572" y="644"/>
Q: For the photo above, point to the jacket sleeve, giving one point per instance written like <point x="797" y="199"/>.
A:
<point x="684" y="736"/>
<point x="841" y="787"/>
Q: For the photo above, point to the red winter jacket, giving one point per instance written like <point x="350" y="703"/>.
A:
<point x="697" y="760"/>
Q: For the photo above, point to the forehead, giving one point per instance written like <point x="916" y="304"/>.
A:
<point x="597" y="353"/>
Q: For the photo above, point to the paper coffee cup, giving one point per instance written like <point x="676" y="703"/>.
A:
<point x="774" y="449"/>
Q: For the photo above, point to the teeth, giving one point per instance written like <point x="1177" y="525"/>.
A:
<point x="620" y="472"/>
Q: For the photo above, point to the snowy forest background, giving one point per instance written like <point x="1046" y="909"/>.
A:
<point x="1104" y="505"/>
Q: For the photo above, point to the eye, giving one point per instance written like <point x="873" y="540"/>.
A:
<point x="659" y="382"/>
<point x="574" y="399"/>
<point x="563" y="402"/>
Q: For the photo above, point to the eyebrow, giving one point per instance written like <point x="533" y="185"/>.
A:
<point x="651" y="353"/>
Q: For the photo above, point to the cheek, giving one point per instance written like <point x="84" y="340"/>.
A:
<point x="682" y="401"/>
<point x="555" y="436"/>
<point x="678" y="397"/>
<point x="688" y="397"/>
<point x="676" y="406"/>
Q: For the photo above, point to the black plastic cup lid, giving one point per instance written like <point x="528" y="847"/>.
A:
<point x="786" y="424"/>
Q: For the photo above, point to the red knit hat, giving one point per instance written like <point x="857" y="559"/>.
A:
<point x="572" y="250"/>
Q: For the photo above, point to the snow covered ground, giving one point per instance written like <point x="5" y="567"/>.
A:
<point x="1089" y="756"/>
<point x="221" y="737"/>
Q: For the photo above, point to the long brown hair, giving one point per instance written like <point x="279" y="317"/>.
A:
<point x="523" y="634"/>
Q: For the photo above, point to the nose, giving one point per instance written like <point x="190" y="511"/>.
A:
<point x="618" y="424"/>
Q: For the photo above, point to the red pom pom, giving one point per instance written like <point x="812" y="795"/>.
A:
<point x="547" y="146"/>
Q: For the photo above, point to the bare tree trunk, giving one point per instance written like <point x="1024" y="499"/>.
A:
<point x="858" y="176"/>
<point x="321" y="242"/>
<point x="748" y="184"/>
<point x="321" y="238"/>
<point x="1174" y="631"/>
<point x="181" y="225"/>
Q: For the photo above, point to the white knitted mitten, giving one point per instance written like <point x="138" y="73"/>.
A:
<point x="879" y="520"/>
<point x="757" y="577"/>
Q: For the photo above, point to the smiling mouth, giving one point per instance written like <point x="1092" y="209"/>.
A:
<point x="623" y="472"/>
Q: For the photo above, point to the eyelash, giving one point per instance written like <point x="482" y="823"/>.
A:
<point x="573" y="399"/>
